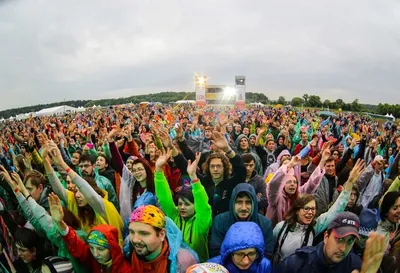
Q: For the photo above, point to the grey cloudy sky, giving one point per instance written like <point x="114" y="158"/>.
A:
<point x="51" y="50"/>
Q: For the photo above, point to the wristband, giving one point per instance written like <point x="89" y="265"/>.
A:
<point x="16" y="190"/>
<point x="195" y="180"/>
<point x="28" y="197"/>
<point x="231" y="151"/>
<point x="68" y="170"/>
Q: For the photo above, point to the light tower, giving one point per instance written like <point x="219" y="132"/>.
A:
<point x="200" y="83"/>
<point x="240" y="86"/>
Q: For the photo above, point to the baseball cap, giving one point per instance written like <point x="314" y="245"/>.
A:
<point x="344" y="224"/>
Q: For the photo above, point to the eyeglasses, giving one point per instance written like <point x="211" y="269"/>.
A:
<point x="217" y="166"/>
<point x="138" y="170"/>
<point x="307" y="209"/>
<point x="251" y="255"/>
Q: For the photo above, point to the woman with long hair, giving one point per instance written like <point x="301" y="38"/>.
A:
<point x="89" y="203"/>
<point x="42" y="221"/>
<point x="284" y="188"/>
<point x="300" y="226"/>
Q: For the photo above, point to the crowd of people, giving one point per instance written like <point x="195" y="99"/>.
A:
<point x="164" y="188"/>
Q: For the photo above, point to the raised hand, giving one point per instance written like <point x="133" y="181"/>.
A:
<point x="326" y="145"/>
<point x="4" y="173"/>
<point x="192" y="167"/>
<point x="325" y="155"/>
<point x="55" y="154"/>
<point x="223" y="120"/>
<point x="56" y="210"/>
<point x="162" y="159"/>
<point x="373" y="253"/>
<point x="165" y="139"/>
<point x="179" y="132"/>
<point x="262" y="131"/>
<point x="115" y="130"/>
<point x="19" y="183"/>
<point x="355" y="173"/>
<point x="296" y="160"/>
<point x="354" y="143"/>
<point x="219" y="141"/>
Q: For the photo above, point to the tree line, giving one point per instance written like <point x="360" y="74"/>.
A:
<point x="167" y="97"/>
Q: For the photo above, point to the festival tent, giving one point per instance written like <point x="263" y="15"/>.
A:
<point x="185" y="102"/>
<point x="22" y="116"/>
<point x="56" y="110"/>
<point x="81" y="109"/>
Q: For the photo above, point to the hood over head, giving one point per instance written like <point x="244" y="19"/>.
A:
<point x="249" y="190"/>
<point x="237" y="141"/>
<point x="111" y="234"/>
<point x="242" y="235"/>
<point x="284" y="152"/>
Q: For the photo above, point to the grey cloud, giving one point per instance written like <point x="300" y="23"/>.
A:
<point x="53" y="50"/>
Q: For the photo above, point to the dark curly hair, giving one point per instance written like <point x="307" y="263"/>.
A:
<point x="225" y="162"/>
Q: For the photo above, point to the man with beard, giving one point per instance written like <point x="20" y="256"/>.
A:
<point x="243" y="207"/>
<point x="87" y="168"/>
<point x="154" y="250"/>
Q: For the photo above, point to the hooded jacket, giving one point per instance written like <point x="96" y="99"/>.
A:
<point x="275" y="166"/>
<point x="218" y="195"/>
<point x="81" y="251"/>
<point x="106" y="185"/>
<point x="180" y="255"/>
<point x="222" y="222"/>
<point x="279" y="201"/>
<point x="369" y="187"/>
<point x="311" y="259"/>
<point x="42" y="221"/>
<point x="195" y="230"/>
<point x="242" y="235"/>
<point x="259" y="186"/>
<point x="258" y="165"/>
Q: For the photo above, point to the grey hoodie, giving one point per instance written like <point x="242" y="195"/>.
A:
<point x="258" y="166"/>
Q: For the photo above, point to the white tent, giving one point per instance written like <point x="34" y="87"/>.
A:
<point x="2" y="120"/>
<point x="185" y="101"/>
<point x="81" y="109"/>
<point x="22" y="116"/>
<point x="56" y="110"/>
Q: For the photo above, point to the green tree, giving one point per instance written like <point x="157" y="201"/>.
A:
<point x="327" y="104"/>
<point x="296" y="101"/>
<point x="314" y="101"/>
<point x="340" y="103"/>
<point x="306" y="97"/>
<point x="281" y="100"/>
<point x="355" y="106"/>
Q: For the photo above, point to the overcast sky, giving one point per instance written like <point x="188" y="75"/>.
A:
<point x="55" y="50"/>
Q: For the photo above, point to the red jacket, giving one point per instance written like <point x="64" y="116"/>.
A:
<point x="81" y="251"/>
